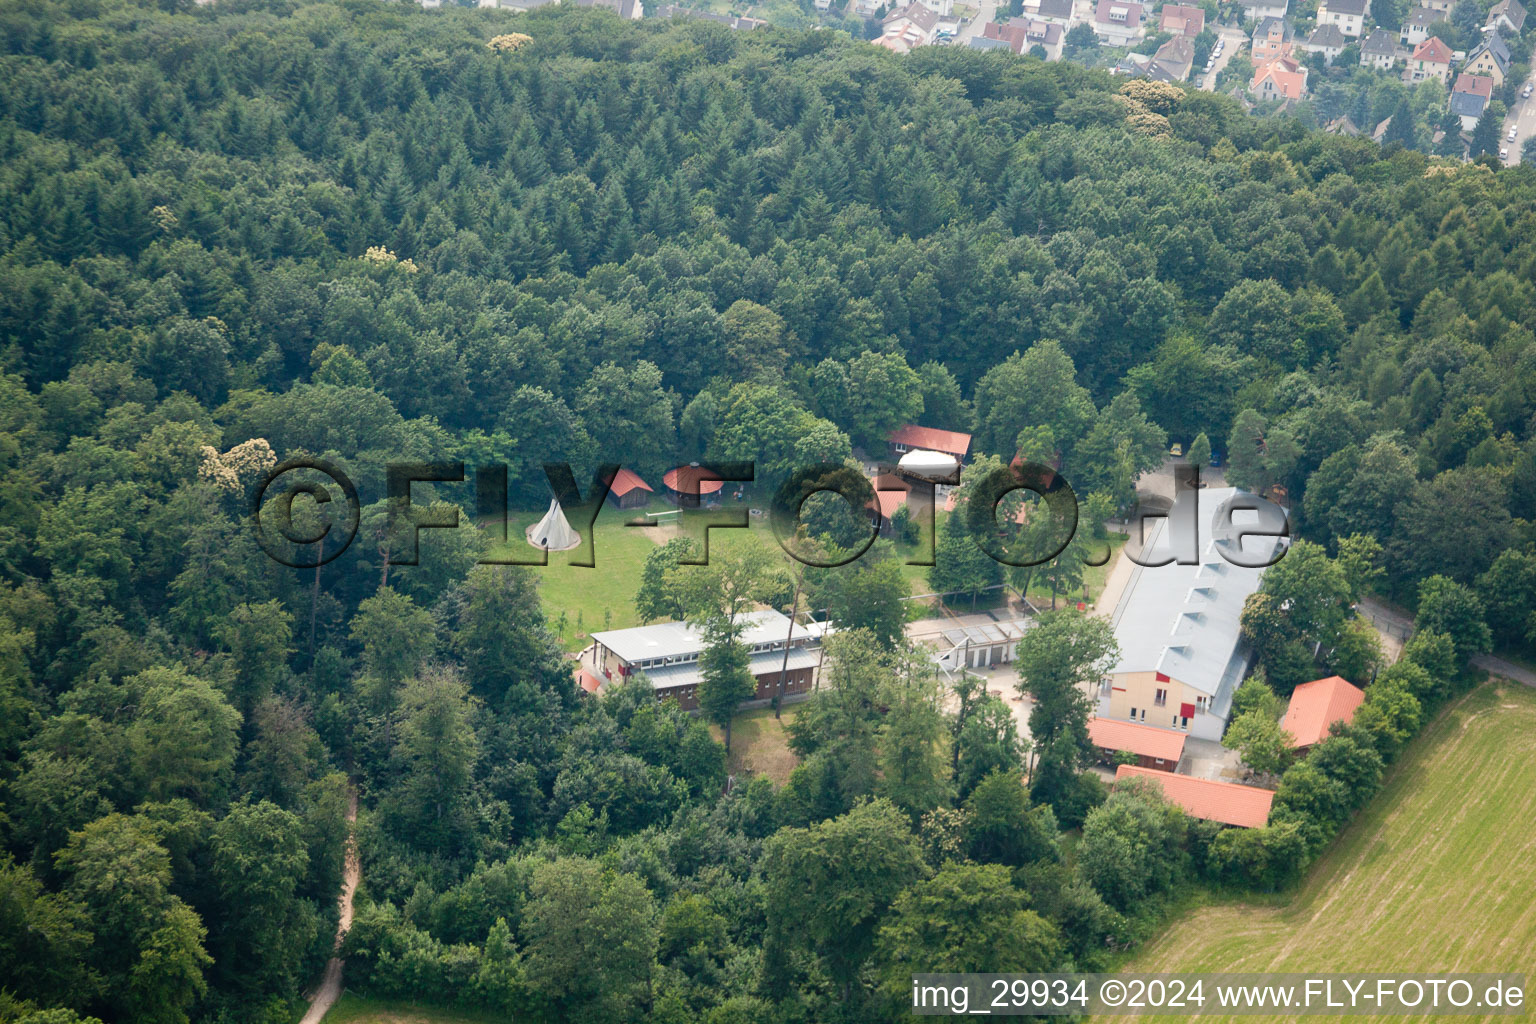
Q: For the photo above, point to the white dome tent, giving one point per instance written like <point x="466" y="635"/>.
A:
<point x="553" y="533"/>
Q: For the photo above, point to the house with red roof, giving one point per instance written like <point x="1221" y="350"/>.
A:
<point x="1431" y="59"/>
<point x="911" y="438"/>
<point x="1182" y="20"/>
<point x="1315" y="706"/>
<point x="628" y="490"/>
<point x="1160" y="749"/>
<point x="1206" y="799"/>
<point x="1279" y="78"/>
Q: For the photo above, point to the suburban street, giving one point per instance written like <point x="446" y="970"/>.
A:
<point x="973" y="28"/>
<point x="1521" y="115"/>
<point x="1235" y="42"/>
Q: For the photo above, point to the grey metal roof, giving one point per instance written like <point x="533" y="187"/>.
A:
<point x="1346" y="7"/>
<point x="1182" y="620"/>
<point x="679" y="639"/>
<point x="1495" y="45"/>
<point x="1380" y="41"/>
<point x="1467" y="104"/>
<point x="670" y="677"/>
<point x="1327" y="35"/>
<point x="988" y="634"/>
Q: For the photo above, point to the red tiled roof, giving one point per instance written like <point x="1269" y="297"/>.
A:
<point x="587" y="681"/>
<point x="1477" y="85"/>
<point x="1432" y="49"/>
<point x="932" y="439"/>
<point x="1317" y="705"/>
<point x="1226" y="802"/>
<point x="627" y="481"/>
<point x="1142" y="740"/>
<point x="691" y="480"/>
<point x="1183" y="18"/>
<point x="889" y="499"/>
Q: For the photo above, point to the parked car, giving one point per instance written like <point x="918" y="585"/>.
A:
<point x="1526" y="92"/>
<point x="1177" y="451"/>
<point x="1512" y="133"/>
<point x="1503" y="154"/>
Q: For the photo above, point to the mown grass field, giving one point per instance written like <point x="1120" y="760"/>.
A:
<point x="1438" y="874"/>
<point x="603" y="597"/>
<point x="353" y="1009"/>
<point x="760" y="744"/>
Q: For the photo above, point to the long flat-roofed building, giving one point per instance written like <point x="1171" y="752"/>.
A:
<point x="668" y="653"/>
<point x="1181" y="652"/>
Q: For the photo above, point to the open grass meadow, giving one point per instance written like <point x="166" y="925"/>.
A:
<point x="603" y="597"/>
<point x="760" y="744"/>
<point x="1437" y="874"/>
<point x="355" y="1009"/>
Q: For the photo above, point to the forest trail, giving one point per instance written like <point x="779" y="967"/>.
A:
<point x="330" y="985"/>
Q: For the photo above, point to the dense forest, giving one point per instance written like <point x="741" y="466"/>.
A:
<point x="241" y="233"/>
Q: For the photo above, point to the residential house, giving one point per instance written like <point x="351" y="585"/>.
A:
<point x="1415" y="28"/>
<point x="668" y="653"/>
<point x="729" y="21"/>
<point x="1341" y="125"/>
<point x="1182" y="20"/>
<point x="1431" y="59"/>
<point x="1348" y="15"/>
<point x="1470" y="97"/>
<point x="1057" y="12"/>
<point x="1176" y="57"/>
<point x="1140" y="65"/>
<point x="629" y="10"/>
<point x="1490" y="57"/>
<point x="1316" y="706"/>
<point x="1273" y="38"/>
<point x="1181" y="654"/>
<point x="1206" y="799"/>
<point x="905" y="30"/>
<point x="1118" y="22"/>
<point x="1508" y="15"/>
<point x="1048" y="35"/>
<point x="1257" y="10"/>
<point x="1155" y="748"/>
<point x="1326" y="40"/>
<point x="989" y="43"/>
<point x="912" y="438"/>
<point x="1440" y="7"/>
<point x="1378" y="50"/>
<point x="1005" y="33"/>
<point x="1279" y="78"/>
<point x="628" y="490"/>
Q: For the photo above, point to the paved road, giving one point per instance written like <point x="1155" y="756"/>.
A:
<point x="972" y="30"/>
<point x="1522" y="116"/>
<point x="1236" y="43"/>
<point x="1396" y="625"/>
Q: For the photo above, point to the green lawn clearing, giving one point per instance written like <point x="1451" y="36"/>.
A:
<point x="1436" y="875"/>
<point x="354" y="1009"/>
<point x="760" y="744"/>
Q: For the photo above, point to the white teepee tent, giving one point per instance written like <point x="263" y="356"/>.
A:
<point x="553" y="533"/>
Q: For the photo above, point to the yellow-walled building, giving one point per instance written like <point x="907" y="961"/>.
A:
<point x="1181" y="653"/>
